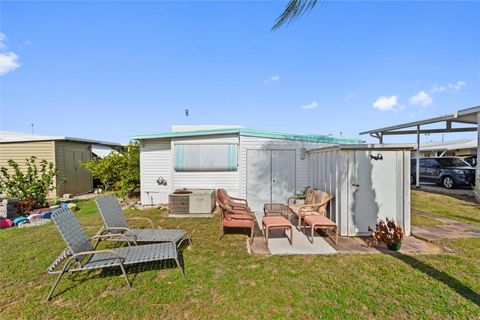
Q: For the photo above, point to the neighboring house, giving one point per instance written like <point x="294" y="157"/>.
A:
<point x="65" y="152"/>
<point x="456" y="148"/>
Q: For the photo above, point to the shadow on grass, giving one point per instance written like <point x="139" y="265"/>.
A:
<point x="81" y="277"/>
<point x="438" y="275"/>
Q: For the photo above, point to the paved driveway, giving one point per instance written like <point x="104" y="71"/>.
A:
<point x="434" y="188"/>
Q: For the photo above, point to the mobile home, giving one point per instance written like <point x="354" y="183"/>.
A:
<point x="267" y="167"/>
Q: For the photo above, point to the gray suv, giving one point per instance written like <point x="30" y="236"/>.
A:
<point x="450" y="172"/>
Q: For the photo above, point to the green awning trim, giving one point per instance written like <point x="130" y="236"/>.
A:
<point x="253" y="133"/>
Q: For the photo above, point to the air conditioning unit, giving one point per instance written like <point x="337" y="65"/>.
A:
<point x="188" y="201"/>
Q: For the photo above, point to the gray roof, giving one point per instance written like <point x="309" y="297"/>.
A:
<point x="464" y="116"/>
<point x="12" y="136"/>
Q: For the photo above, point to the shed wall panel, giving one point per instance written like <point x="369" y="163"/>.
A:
<point x="68" y="159"/>
<point x="336" y="172"/>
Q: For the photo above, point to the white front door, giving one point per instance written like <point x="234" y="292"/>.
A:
<point x="270" y="176"/>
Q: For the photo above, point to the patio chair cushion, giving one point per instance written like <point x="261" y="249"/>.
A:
<point x="238" y="223"/>
<point x="319" y="221"/>
<point x="239" y="216"/>
<point x="313" y="196"/>
<point x="277" y="221"/>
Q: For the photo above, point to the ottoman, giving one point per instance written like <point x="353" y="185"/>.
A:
<point x="276" y="223"/>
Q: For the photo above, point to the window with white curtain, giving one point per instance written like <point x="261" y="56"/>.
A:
<point x="206" y="157"/>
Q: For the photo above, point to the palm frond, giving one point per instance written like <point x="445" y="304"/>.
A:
<point x="293" y="10"/>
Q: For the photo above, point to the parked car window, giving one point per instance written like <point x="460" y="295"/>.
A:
<point x="430" y="163"/>
<point x="452" y="162"/>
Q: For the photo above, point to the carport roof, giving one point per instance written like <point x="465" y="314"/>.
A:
<point x="13" y="136"/>
<point x="252" y="133"/>
<point x="464" y="116"/>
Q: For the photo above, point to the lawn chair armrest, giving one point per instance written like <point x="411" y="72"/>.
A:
<point x="115" y="229"/>
<point x="146" y="219"/>
<point x="64" y="255"/>
<point x="238" y="200"/>
<point x="238" y="212"/>
<point x="116" y="235"/>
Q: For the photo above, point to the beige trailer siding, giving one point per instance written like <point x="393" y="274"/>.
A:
<point x="65" y="155"/>
<point x="19" y="151"/>
<point x="73" y="178"/>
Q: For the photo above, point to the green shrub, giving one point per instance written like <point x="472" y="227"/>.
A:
<point x="119" y="171"/>
<point x="31" y="186"/>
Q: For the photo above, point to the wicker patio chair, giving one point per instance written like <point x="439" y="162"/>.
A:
<point x="236" y="219"/>
<point x="116" y="223"/>
<point x="80" y="255"/>
<point x="316" y="203"/>
<point x="235" y="203"/>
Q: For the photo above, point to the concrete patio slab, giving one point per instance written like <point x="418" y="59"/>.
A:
<point x="278" y="242"/>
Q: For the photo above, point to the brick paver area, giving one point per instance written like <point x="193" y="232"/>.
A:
<point x="449" y="229"/>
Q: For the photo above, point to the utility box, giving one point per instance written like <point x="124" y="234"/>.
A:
<point x="196" y="201"/>
<point x="368" y="182"/>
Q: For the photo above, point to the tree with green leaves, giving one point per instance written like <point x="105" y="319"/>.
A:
<point x="119" y="171"/>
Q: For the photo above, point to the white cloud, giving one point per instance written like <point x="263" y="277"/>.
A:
<point x="9" y="61"/>
<point x="387" y="103"/>
<point x="457" y="86"/>
<point x="453" y="87"/>
<point x="421" y="98"/>
<point x="312" y="105"/>
<point x="436" y="89"/>
<point x="272" y="79"/>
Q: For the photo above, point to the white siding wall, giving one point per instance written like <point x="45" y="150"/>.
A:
<point x="155" y="161"/>
<point x="207" y="180"/>
<point x="328" y="172"/>
<point x="334" y="171"/>
<point x="302" y="174"/>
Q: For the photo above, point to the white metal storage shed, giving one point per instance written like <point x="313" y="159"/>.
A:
<point x="368" y="182"/>
<point x="259" y="165"/>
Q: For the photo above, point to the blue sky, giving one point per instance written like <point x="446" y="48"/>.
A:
<point x="108" y="70"/>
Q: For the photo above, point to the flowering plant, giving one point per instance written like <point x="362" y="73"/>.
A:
<point x="387" y="232"/>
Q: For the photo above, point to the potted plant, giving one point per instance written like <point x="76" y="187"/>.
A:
<point x="389" y="233"/>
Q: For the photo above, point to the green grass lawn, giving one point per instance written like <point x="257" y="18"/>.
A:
<point x="224" y="282"/>
<point x="446" y="207"/>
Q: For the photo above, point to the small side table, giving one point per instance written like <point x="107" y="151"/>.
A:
<point x="276" y="209"/>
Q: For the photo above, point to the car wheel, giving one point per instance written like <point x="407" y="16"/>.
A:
<point x="448" y="182"/>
